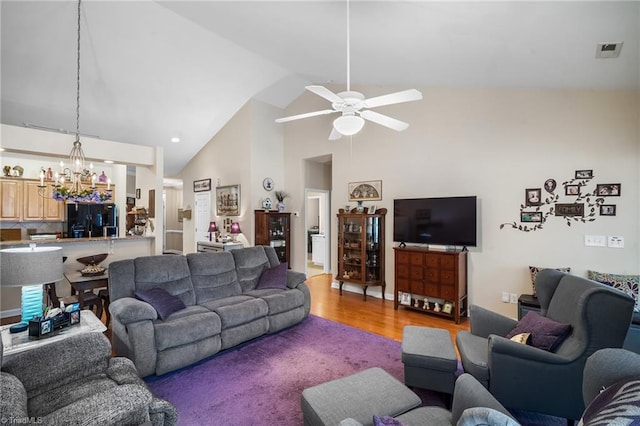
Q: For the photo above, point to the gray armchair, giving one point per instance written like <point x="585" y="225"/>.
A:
<point x="76" y="381"/>
<point x="528" y="378"/>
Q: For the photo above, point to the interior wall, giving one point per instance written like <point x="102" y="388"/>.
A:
<point x="493" y="144"/>
<point x="248" y="149"/>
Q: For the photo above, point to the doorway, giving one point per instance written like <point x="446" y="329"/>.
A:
<point x="318" y="226"/>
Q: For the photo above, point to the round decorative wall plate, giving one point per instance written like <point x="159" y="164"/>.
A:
<point x="267" y="184"/>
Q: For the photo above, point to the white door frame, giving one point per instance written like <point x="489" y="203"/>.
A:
<point x="325" y="203"/>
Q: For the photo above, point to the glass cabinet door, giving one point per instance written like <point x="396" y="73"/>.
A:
<point x="278" y="225"/>
<point x="352" y="246"/>
<point x="373" y="247"/>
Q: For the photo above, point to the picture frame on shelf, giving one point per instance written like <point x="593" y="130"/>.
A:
<point x="371" y="209"/>
<point x="447" y="308"/>
<point x="533" y="197"/>
<point x="228" y="200"/>
<point x="405" y="299"/>
<point x="202" y="185"/>
<point x="584" y="174"/>
<point x="608" y="210"/>
<point x="608" y="189"/>
<point x="370" y="190"/>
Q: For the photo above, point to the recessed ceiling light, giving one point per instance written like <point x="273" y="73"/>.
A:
<point x="108" y="161"/>
<point x="175" y="140"/>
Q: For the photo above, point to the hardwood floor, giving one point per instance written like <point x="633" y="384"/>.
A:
<point x="374" y="315"/>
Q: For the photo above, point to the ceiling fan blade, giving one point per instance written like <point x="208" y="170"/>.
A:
<point x="325" y="93"/>
<point x="393" y="98"/>
<point x="384" y="120"/>
<point x="335" y="135"/>
<point x="306" y="115"/>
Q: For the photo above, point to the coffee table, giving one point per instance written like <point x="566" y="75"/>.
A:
<point x="19" y="342"/>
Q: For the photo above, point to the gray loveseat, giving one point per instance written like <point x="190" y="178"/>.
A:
<point x="223" y="306"/>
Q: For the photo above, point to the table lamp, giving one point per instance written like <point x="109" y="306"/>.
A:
<point x="30" y="268"/>
<point x="235" y="230"/>
<point x="212" y="228"/>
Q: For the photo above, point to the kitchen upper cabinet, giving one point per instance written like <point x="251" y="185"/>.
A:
<point x="11" y="197"/>
<point x="41" y="207"/>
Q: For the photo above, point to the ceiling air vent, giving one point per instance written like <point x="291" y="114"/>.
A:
<point x="608" y="50"/>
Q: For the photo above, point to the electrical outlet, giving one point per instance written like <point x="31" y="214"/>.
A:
<point x="505" y="297"/>
<point x="514" y="298"/>
<point x="616" y="242"/>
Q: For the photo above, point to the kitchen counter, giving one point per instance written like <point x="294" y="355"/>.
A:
<point x="8" y="244"/>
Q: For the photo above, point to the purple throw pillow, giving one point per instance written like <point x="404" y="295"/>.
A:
<point x="617" y="404"/>
<point x="386" y="421"/>
<point x="162" y="301"/>
<point x="546" y="333"/>
<point x="275" y="277"/>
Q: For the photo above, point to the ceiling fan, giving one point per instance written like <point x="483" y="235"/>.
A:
<point x="354" y="107"/>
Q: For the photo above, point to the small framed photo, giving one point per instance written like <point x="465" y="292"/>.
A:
<point x="447" y="308"/>
<point x="405" y="299"/>
<point x="608" y="189"/>
<point x="202" y="185"/>
<point x="138" y="193"/>
<point x="74" y="317"/>
<point x="572" y="190"/>
<point x="533" y="196"/>
<point x="550" y="185"/>
<point x="608" y="210"/>
<point x="584" y="174"/>
<point x="531" y="217"/>
<point x="372" y="209"/>
<point x="46" y="326"/>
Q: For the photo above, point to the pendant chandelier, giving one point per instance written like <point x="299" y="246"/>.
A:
<point x="67" y="183"/>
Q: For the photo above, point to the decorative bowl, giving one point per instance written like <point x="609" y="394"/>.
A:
<point x="93" y="259"/>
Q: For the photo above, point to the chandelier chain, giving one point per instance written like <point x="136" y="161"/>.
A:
<point x="78" y="78"/>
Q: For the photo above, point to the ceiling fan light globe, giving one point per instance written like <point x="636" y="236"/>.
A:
<point x="348" y="125"/>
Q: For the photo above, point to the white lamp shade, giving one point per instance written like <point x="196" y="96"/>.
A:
<point x="25" y="266"/>
<point x="348" y="124"/>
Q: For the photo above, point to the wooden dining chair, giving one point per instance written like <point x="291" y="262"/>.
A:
<point x="89" y="299"/>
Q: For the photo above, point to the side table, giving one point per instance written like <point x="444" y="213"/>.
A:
<point x="19" y="342"/>
<point x="526" y="303"/>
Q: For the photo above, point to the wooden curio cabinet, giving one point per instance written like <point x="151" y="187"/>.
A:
<point x="361" y="249"/>
<point x="274" y="229"/>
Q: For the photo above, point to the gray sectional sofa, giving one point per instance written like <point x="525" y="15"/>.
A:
<point x="223" y="307"/>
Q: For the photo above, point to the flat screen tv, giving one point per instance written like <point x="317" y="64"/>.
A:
<point x="447" y="221"/>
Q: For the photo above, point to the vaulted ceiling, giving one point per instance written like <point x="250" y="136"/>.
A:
<point x="154" y="70"/>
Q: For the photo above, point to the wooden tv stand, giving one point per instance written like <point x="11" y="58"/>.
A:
<point x="439" y="276"/>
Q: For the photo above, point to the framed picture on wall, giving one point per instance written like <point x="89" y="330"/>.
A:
<point x="572" y="190"/>
<point x="202" y="185"/>
<point x="228" y="200"/>
<point x="370" y="190"/>
<point x="608" y="189"/>
<point x="584" y="174"/>
<point x="608" y="210"/>
<point x="531" y="217"/>
<point x="532" y="196"/>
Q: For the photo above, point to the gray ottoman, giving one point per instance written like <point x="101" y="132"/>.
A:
<point x="430" y="361"/>
<point x="358" y="396"/>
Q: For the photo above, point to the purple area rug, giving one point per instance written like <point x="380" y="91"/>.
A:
<point x="261" y="381"/>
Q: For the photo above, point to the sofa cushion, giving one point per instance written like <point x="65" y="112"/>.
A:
<point x="169" y="272"/>
<point x="279" y="301"/>
<point x="213" y="275"/>
<point x="242" y="313"/>
<point x="212" y="305"/>
<point x="181" y="330"/>
<point x="275" y="277"/>
<point x="250" y="262"/>
<point x="533" y="270"/>
<point x="617" y="404"/>
<point x="627" y="283"/>
<point x="484" y="416"/>
<point x="546" y="333"/>
<point x="164" y="303"/>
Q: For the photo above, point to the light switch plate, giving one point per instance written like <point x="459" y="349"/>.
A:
<point x="595" y="240"/>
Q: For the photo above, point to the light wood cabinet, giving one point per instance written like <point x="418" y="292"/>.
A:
<point x="437" y="276"/>
<point x="361" y="249"/>
<point x="40" y="207"/>
<point x="11" y="198"/>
